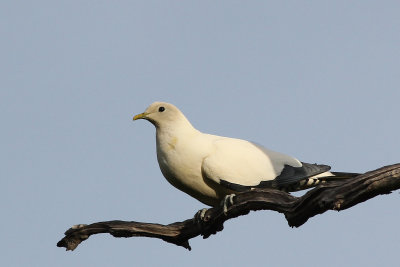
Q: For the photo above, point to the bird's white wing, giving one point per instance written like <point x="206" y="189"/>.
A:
<point x="239" y="165"/>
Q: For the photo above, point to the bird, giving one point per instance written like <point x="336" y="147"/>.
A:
<point x="212" y="168"/>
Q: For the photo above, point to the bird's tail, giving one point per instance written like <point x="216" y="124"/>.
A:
<point x="321" y="179"/>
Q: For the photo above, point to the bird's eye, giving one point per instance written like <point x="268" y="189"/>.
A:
<point x="161" y="109"/>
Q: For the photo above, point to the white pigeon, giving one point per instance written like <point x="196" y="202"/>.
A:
<point x="210" y="167"/>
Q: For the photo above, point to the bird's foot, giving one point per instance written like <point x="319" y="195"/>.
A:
<point x="227" y="202"/>
<point x="199" y="216"/>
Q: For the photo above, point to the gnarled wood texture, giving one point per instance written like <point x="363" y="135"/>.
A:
<point x="337" y="195"/>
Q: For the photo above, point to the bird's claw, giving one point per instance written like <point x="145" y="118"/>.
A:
<point x="199" y="216"/>
<point x="228" y="202"/>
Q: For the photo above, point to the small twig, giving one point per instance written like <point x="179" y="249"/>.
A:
<point x="337" y="195"/>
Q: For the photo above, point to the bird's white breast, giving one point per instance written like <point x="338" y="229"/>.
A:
<point x="180" y="159"/>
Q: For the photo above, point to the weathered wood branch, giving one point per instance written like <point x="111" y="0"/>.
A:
<point x="337" y="195"/>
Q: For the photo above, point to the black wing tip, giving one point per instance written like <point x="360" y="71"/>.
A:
<point x="323" y="167"/>
<point x="289" y="175"/>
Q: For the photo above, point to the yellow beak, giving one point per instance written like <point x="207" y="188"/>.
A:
<point x="140" y="116"/>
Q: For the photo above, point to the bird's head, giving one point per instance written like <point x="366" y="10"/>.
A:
<point x="162" y="114"/>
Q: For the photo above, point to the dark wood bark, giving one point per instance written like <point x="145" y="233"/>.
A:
<point x="337" y="195"/>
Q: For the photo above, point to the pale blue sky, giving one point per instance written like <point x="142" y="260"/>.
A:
<point x="319" y="80"/>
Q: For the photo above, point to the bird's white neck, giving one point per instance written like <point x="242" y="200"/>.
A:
<point x="181" y="126"/>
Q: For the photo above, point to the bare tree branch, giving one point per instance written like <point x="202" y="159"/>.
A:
<point x="337" y="195"/>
